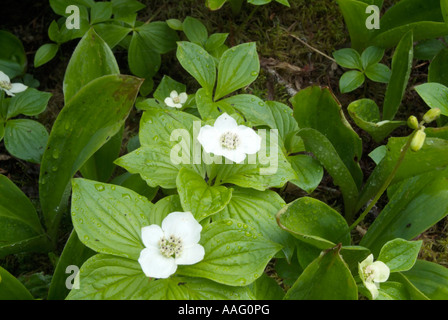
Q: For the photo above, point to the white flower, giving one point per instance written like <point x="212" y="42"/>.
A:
<point x="372" y="273"/>
<point x="176" y="100"/>
<point x="175" y="243"/>
<point x="8" y="87"/>
<point x="226" y="138"/>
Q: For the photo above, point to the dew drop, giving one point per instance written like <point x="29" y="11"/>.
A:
<point x="99" y="187"/>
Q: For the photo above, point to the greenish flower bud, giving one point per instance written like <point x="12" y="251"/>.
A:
<point x="418" y="140"/>
<point x="413" y="122"/>
<point x="431" y="115"/>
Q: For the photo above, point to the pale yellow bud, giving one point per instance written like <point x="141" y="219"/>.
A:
<point x="418" y="140"/>
<point x="431" y="115"/>
<point x="413" y="122"/>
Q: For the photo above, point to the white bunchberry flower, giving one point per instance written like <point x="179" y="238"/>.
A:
<point x="372" y="274"/>
<point x="227" y="138"/>
<point x="176" y="100"/>
<point x="175" y="243"/>
<point x="8" y="87"/>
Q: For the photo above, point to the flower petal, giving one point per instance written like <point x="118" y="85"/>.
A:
<point x="169" y="102"/>
<point x="18" y="87"/>
<point x="183" y="97"/>
<point x="4" y="77"/>
<point x="178" y="105"/>
<point x="237" y="155"/>
<point x="173" y="94"/>
<point x="191" y="255"/>
<point x="9" y="93"/>
<point x="155" y="265"/>
<point x="373" y="289"/>
<point x="381" y="271"/>
<point x="151" y="235"/>
<point x="225" y="123"/>
<point x="250" y="141"/>
<point x="182" y="225"/>
<point x="209" y="137"/>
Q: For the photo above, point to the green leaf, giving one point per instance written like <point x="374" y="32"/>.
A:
<point x="401" y="70"/>
<point x="106" y="277"/>
<point x="109" y="218"/>
<point x="435" y="95"/>
<point x="210" y="110"/>
<point x="111" y="33"/>
<point x="400" y="255"/>
<point x="91" y="59"/>
<point x="175" y="24"/>
<point x="143" y="60"/>
<point x="137" y="184"/>
<point x="30" y="102"/>
<point x="266" y="288"/>
<point x="26" y="139"/>
<point x="122" y="8"/>
<point x="11" y="288"/>
<point x="253" y="108"/>
<point x="198" y="62"/>
<point x="428" y="49"/>
<point x="352" y="12"/>
<point x="59" y="6"/>
<point x="437" y="66"/>
<point x="414" y="293"/>
<point x="238" y="67"/>
<point x="430" y="278"/>
<point x="258" y="209"/>
<point x="100" y="12"/>
<point x="45" y="53"/>
<point x="402" y="216"/>
<point x="195" y="31"/>
<point x="198" y="197"/>
<point x="100" y="109"/>
<point x="366" y="115"/>
<point x="351" y="80"/>
<point x="393" y="291"/>
<point x="326" y="154"/>
<point x="20" y="228"/>
<point x="159" y="36"/>
<point x="348" y="58"/>
<point x="215" y="4"/>
<point x="313" y="222"/>
<point x="378" y="73"/>
<point x="164" y="207"/>
<point x="75" y="253"/>
<point x="12" y="55"/>
<point x="316" y="108"/>
<point x="326" y="278"/>
<point x="371" y="56"/>
<point x="432" y="156"/>
<point x="309" y="172"/>
<point x="235" y="254"/>
<point x="215" y="41"/>
<point x="378" y="154"/>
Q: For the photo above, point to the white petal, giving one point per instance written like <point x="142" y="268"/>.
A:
<point x="155" y="265"/>
<point x="225" y="123"/>
<point x="250" y="141"/>
<point x="191" y="255"/>
<point x="151" y="235"/>
<point x="4" y="77"/>
<point x="173" y="94"/>
<point x="169" y="102"/>
<point x="184" y="226"/>
<point x="367" y="261"/>
<point x="381" y="271"/>
<point x="18" y="87"/>
<point x="237" y="155"/>
<point x="209" y="137"/>
<point x="9" y="93"/>
<point x="183" y="97"/>
<point x="373" y="289"/>
<point x="178" y="105"/>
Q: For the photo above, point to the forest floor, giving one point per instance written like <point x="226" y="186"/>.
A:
<point x="287" y="66"/>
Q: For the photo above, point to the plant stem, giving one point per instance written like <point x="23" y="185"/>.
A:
<point x="386" y="183"/>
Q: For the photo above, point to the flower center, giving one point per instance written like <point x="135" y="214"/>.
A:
<point x="171" y="246"/>
<point x="6" y="85"/>
<point x="369" y="273"/>
<point x="176" y="99"/>
<point x="230" y="140"/>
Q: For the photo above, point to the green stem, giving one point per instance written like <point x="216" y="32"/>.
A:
<point x="386" y="183"/>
